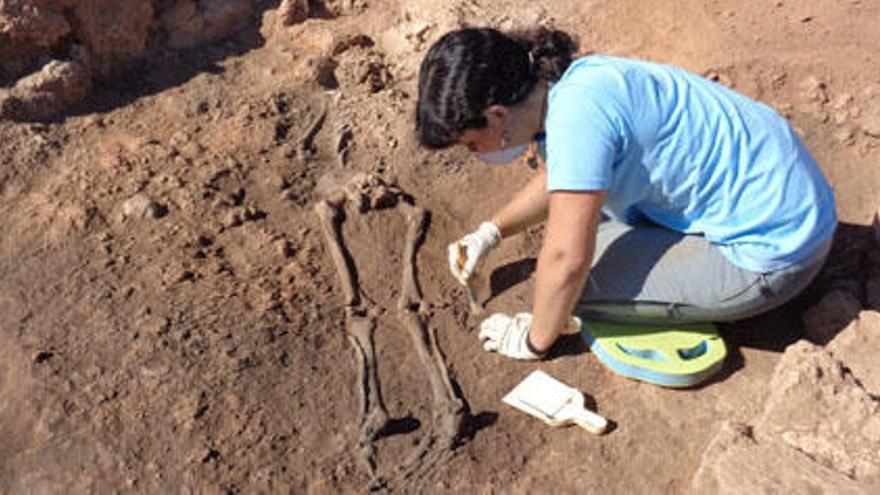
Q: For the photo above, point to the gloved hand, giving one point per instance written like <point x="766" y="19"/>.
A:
<point x="505" y="335"/>
<point x="471" y="249"/>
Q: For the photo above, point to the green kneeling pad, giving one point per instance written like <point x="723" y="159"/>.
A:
<point x="671" y="356"/>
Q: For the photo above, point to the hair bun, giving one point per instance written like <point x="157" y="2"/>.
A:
<point x="551" y="49"/>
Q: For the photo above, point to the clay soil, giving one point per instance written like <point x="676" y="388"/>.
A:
<point x="193" y="339"/>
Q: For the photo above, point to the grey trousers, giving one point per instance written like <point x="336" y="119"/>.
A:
<point x="649" y="274"/>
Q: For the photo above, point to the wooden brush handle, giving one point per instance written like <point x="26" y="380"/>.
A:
<point x="590" y="421"/>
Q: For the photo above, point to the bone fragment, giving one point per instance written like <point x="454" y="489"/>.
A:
<point x="329" y="215"/>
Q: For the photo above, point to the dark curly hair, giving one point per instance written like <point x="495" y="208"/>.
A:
<point x="469" y="70"/>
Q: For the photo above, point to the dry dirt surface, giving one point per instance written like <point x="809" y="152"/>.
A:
<point x="223" y="268"/>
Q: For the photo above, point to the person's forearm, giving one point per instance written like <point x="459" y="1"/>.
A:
<point x="527" y="208"/>
<point x="559" y="283"/>
<point x="564" y="262"/>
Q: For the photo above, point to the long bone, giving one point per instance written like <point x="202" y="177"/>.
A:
<point x="359" y="326"/>
<point x="448" y="414"/>
<point x="410" y="295"/>
<point x="374" y="416"/>
<point x="330" y="213"/>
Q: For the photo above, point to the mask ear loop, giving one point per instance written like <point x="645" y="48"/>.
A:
<point x="534" y="155"/>
<point x="533" y="159"/>
<point x="505" y="139"/>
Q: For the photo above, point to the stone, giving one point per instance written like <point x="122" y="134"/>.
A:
<point x="115" y="31"/>
<point x="816" y="407"/>
<point x="292" y="12"/>
<point x="51" y="90"/>
<point x="319" y="69"/>
<point x="140" y="206"/>
<point x="100" y="38"/>
<point x="735" y="463"/>
<point x="341" y="7"/>
<point x="845" y="134"/>
<point x="836" y="310"/>
<point x="364" y="68"/>
<point x="813" y="89"/>
<point x="232" y="218"/>
<point x="28" y="30"/>
<point x="858" y="347"/>
<point x="38" y="24"/>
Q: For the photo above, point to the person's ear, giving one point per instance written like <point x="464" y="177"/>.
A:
<point x="497" y="116"/>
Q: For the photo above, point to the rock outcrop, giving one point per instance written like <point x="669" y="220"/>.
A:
<point x="735" y="463"/>
<point x="815" y="406"/>
<point x="52" y="50"/>
<point x="819" y="431"/>
<point x="47" y="92"/>
<point x="858" y="346"/>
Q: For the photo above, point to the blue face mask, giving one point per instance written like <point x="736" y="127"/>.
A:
<point x="507" y="155"/>
<point x="504" y="155"/>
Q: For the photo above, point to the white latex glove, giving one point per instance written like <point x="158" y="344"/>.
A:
<point x="505" y="335"/>
<point x="471" y="249"/>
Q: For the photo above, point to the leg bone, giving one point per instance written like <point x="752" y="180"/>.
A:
<point x="410" y="295"/>
<point x="374" y="416"/>
<point x="448" y="410"/>
<point x="329" y="215"/>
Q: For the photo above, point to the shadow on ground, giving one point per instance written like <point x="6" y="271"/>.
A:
<point x="781" y="327"/>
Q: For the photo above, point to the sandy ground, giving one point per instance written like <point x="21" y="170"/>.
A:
<point x="193" y="339"/>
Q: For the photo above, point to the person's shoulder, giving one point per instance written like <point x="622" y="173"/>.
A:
<point x="583" y="68"/>
<point x="591" y="75"/>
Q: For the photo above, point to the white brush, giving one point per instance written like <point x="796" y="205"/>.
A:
<point x="554" y="403"/>
<point x="475" y="307"/>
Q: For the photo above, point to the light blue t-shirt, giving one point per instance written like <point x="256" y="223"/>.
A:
<point x="690" y="155"/>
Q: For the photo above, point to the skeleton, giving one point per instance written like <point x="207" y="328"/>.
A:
<point x="367" y="192"/>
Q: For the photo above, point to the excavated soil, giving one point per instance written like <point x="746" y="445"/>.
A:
<point x="172" y="320"/>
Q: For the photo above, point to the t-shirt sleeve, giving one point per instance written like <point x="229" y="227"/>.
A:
<point x="583" y="139"/>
